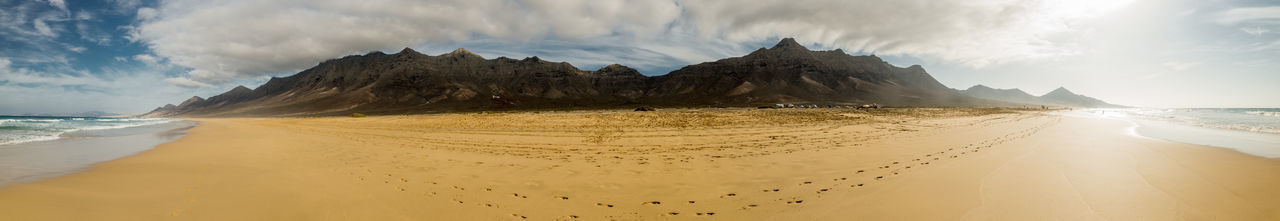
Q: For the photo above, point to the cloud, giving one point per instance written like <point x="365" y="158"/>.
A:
<point x="26" y="76"/>
<point x="60" y="4"/>
<point x="84" y="15"/>
<point x="186" y="83"/>
<point x="235" y="39"/>
<point x="125" y="6"/>
<point x="146" y="59"/>
<point x="35" y="88"/>
<point x="1248" y="14"/>
<point x="43" y="28"/>
<point x="1255" y="30"/>
<point x="147" y="13"/>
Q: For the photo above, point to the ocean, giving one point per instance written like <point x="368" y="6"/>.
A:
<point x="33" y="148"/>
<point x="1253" y="131"/>
<point x="23" y="129"/>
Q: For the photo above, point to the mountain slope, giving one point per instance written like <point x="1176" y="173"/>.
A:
<point x="411" y="82"/>
<point x="790" y="73"/>
<point x="1057" y="97"/>
<point x="1062" y="96"/>
<point x="1011" y="95"/>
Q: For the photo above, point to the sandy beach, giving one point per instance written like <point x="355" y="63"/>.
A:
<point x="703" y="164"/>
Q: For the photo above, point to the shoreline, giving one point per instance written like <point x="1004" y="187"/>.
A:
<point x="78" y="151"/>
<point x="573" y="165"/>
<point x="1255" y="143"/>
<point x="1258" y="144"/>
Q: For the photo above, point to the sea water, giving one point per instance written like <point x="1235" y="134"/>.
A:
<point x="23" y="129"/>
<point x="34" y="148"/>
<point x="1253" y="131"/>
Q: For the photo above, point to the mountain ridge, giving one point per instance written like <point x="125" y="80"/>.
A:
<point x="1058" y="97"/>
<point x="412" y="82"/>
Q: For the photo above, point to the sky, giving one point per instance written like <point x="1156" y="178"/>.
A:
<point x="130" y="56"/>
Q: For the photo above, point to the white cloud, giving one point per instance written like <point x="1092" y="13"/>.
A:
<point x="186" y="83"/>
<point x="147" y="13"/>
<point x="14" y="75"/>
<point x="240" y="38"/>
<point x="60" y="4"/>
<point x="91" y="33"/>
<point x="1255" y="30"/>
<point x="1240" y="15"/>
<point x="43" y="28"/>
<point x="64" y="89"/>
<point x="84" y="15"/>
<point x="124" y="6"/>
<point x="146" y="59"/>
<point x="77" y="49"/>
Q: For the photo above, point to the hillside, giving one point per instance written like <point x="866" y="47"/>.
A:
<point x="411" y="82"/>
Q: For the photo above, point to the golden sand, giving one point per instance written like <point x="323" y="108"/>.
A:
<point x="735" y="164"/>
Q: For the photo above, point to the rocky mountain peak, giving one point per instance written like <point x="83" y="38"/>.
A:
<point x="408" y="51"/>
<point x="980" y="87"/>
<point x="789" y="43"/>
<point x="462" y="52"/>
<point x="613" y="67"/>
<point x="1060" y="91"/>
<point x="618" y="70"/>
<point x="240" y="89"/>
<point x="191" y="100"/>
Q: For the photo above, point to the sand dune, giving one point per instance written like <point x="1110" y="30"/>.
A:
<point x="733" y="164"/>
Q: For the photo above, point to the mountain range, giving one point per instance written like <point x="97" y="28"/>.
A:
<point x="1057" y="97"/>
<point x="411" y="82"/>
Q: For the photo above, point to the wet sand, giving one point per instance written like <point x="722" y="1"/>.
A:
<point x="76" y="151"/>
<point x="735" y="164"/>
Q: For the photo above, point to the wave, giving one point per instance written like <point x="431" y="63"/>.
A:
<point x="46" y="129"/>
<point x="1261" y="129"/>
<point x="1264" y="113"/>
<point x="121" y="126"/>
<point x="130" y="119"/>
<point x="3" y="121"/>
<point x="25" y="139"/>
